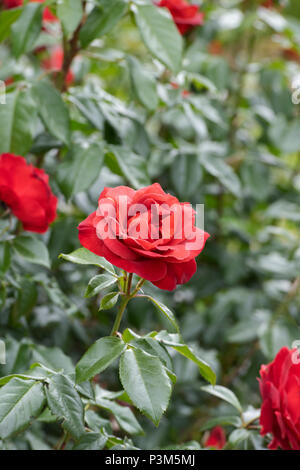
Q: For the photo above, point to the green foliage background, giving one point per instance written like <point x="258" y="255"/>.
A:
<point x="231" y="143"/>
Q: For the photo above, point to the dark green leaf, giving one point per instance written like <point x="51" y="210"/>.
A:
<point x="70" y="13"/>
<point x="65" y="403"/>
<point x="91" y="441"/>
<point x="7" y="18"/>
<point x="144" y="84"/>
<point x="133" y="167"/>
<point x="101" y="20"/>
<point x="99" y="283"/>
<point x="84" y="256"/>
<point x="32" y="250"/>
<point x="26" y="29"/>
<point x="146" y="382"/>
<point x="98" y="357"/>
<point x="20" y="401"/>
<point x="225" y="394"/>
<point x="123" y="415"/>
<point x="80" y="169"/>
<point x="52" y="110"/>
<point x="17" y="121"/>
<point x="109" y="300"/>
<point x="159" y="34"/>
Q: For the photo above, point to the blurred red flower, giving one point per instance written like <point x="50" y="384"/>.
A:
<point x="12" y="3"/>
<point x="185" y="15"/>
<point x="216" y="438"/>
<point x="160" y="248"/>
<point x="280" y="391"/>
<point x="55" y="62"/>
<point x="25" y="190"/>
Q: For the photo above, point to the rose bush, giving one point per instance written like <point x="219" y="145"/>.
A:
<point x="170" y="101"/>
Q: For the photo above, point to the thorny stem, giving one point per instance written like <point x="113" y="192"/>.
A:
<point x="71" y="49"/>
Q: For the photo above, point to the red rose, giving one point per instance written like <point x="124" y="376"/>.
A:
<point x="55" y="63"/>
<point x="147" y="232"/>
<point x="25" y="189"/>
<point x="12" y="3"/>
<point x="216" y="438"/>
<point x="47" y="14"/>
<point x="185" y="15"/>
<point x="280" y="391"/>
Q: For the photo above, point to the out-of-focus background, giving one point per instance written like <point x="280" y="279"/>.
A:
<point x="222" y="129"/>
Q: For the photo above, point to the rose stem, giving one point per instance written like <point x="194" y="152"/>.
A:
<point x="128" y="296"/>
<point x="119" y="316"/>
<point x="129" y="281"/>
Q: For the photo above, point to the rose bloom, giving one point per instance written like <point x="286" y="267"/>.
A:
<point x="47" y="14"/>
<point x="124" y="231"/>
<point x="55" y="62"/>
<point x="280" y="391"/>
<point x="26" y="191"/>
<point x="216" y="438"/>
<point x="12" y="3"/>
<point x="185" y="15"/>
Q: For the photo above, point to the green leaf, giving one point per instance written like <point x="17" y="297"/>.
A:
<point x="186" y="174"/>
<point x="27" y="297"/>
<point x="225" y="394"/>
<point x="222" y="421"/>
<point x="153" y="347"/>
<point x="52" y="358"/>
<point x="282" y="209"/>
<point x="17" y="122"/>
<point x="99" y="283"/>
<point x="146" y="382"/>
<point x="84" y="256"/>
<point x="223" y="172"/>
<point x="109" y="300"/>
<point x="101" y="20"/>
<point x="80" y="169"/>
<point x="238" y="436"/>
<point x="98" y="357"/>
<point x="20" y="401"/>
<point x="8" y="378"/>
<point x="165" y="310"/>
<point x="65" y="403"/>
<point x="7" y="18"/>
<point x="52" y="110"/>
<point x="133" y="167"/>
<point x="91" y="441"/>
<point x="123" y="415"/>
<point x="159" y="34"/>
<point x="175" y="342"/>
<point x="32" y="250"/>
<point x="144" y="84"/>
<point x="70" y="13"/>
<point x="25" y="31"/>
<point x="5" y="256"/>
